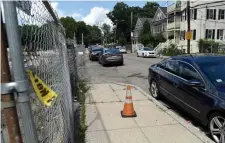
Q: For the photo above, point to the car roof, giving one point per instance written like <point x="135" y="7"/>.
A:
<point x="199" y="58"/>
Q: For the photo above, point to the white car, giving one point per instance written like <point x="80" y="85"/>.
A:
<point x="121" y="49"/>
<point x="146" y="52"/>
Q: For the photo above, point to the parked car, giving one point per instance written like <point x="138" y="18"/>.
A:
<point x="110" y="56"/>
<point x="146" y="52"/>
<point x="197" y="85"/>
<point x="94" y="53"/>
<point x="122" y="49"/>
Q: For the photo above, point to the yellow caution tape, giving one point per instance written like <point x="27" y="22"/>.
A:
<point x="44" y="93"/>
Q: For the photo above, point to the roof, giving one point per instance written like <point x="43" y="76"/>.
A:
<point x="145" y="19"/>
<point x="164" y="10"/>
<point x="199" y="58"/>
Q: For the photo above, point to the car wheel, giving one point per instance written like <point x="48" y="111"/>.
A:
<point x="217" y="127"/>
<point x="154" y="89"/>
<point x="143" y="55"/>
<point x="137" y="55"/>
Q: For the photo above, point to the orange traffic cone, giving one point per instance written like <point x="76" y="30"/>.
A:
<point x="128" y="110"/>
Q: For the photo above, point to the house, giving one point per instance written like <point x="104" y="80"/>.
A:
<point x="207" y="21"/>
<point x="173" y="22"/>
<point x="137" y="31"/>
<point x="159" y="22"/>
<point x="138" y="28"/>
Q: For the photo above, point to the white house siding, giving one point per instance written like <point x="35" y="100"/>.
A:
<point x="201" y="24"/>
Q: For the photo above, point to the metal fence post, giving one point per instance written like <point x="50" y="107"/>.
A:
<point x="19" y="73"/>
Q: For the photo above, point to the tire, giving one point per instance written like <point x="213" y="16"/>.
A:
<point x="214" y="120"/>
<point x="154" y="89"/>
<point x="143" y="55"/>
<point x="137" y="55"/>
<point x="121" y="63"/>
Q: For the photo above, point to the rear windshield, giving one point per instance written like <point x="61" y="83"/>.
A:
<point x="147" y="49"/>
<point x="112" y="51"/>
<point x="96" y="50"/>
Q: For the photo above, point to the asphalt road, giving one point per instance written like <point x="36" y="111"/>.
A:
<point x="134" y="71"/>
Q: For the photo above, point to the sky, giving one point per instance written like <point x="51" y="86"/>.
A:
<point x="92" y="12"/>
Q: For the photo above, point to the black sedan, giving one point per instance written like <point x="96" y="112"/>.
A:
<point x="94" y="53"/>
<point x="197" y="85"/>
<point x="110" y="56"/>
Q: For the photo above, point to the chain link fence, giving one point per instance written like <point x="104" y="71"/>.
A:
<point x="53" y="61"/>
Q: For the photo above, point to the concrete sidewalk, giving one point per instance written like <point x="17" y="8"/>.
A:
<point x="152" y="124"/>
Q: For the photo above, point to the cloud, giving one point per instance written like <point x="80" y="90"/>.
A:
<point x="77" y="15"/>
<point x="97" y="16"/>
<point x="55" y="7"/>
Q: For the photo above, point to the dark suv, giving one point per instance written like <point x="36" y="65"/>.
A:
<point x="197" y="85"/>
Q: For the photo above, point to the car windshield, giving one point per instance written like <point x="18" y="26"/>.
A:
<point x="147" y="49"/>
<point x="112" y="51"/>
<point x="214" y="70"/>
<point x="96" y="50"/>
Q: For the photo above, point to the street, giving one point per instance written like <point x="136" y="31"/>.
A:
<point x="135" y="72"/>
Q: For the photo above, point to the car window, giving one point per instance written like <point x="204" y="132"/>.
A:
<point x="171" y="66"/>
<point x="214" y="70"/>
<point x="188" y="72"/>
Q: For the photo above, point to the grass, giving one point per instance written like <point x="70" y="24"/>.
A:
<point x="83" y="88"/>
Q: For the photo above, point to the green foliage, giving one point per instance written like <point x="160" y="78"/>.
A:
<point x="208" y="46"/>
<point x="91" y="34"/>
<point x="82" y="89"/>
<point x="172" y="51"/>
<point x="171" y="37"/>
<point x="122" y="39"/>
<point x="121" y="16"/>
<point x="70" y="25"/>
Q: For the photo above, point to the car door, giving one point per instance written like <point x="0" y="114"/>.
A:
<point x="169" y="80"/>
<point x="196" y="99"/>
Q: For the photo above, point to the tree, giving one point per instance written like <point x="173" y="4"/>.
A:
<point x="146" y="37"/>
<point x="121" y="16"/>
<point x="70" y="26"/>
<point x="106" y="31"/>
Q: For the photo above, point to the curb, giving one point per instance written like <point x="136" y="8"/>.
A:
<point x="194" y="130"/>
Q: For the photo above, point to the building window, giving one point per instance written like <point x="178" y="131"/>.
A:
<point x="193" y="14"/>
<point x="182" y="35"/>
<point x="220" y="34"/>
<point x="209" y="33"/>
<point x="221" y="14"/>
<point x="193" y="34"/>
<point x="211" y="14"/>
<point x="163" y="27"/>
<point x="183" y="17"/>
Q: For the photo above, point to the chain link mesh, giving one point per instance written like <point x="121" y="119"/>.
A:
<point x="45" y="53"/>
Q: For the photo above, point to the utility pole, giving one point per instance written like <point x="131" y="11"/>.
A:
<point x="82" y="39"/>
<point x="188" y="26"/>
<point x="7" y="100"/>
<point x="131" y="41"/>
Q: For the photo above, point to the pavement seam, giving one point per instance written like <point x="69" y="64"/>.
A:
<point x="163" y="108"/>
<point x="135" y="127"/>
<point x="100" y="118"/>
<point x="115" y="93"/>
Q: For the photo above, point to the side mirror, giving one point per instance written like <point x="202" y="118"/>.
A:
<point x="195" y="83"/>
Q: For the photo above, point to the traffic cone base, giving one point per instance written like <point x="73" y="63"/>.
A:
<point x="126" y="116"/>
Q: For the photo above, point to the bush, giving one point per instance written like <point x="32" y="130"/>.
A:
<point x="208" y="46"/>
<point x="171" y="37"/>
<point x="172" y="51"/>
